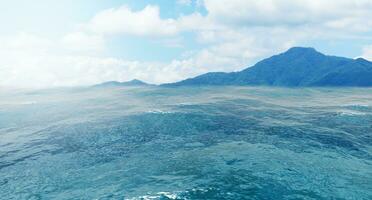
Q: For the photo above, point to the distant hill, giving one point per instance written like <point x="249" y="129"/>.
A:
<point x="133" y="82"/>
<point x="294" y="68"/>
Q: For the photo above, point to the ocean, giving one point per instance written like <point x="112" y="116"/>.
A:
<point x="186" y="143"/>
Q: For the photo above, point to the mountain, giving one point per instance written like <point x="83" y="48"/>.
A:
<point x="131" y="83"/>
<point x="296" y="67"/>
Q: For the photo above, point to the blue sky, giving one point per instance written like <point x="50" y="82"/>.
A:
<point x="47" y="43"/>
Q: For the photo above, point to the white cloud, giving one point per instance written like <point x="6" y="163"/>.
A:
<point x="232" y="50"/>
<point x="122" y="20"/>
<point x="184" y="2"/>
<point x="199" y="3"/>
<point x="238" y="33"/>
<point x="23" y="41"/>
<point x="83" y="42"/>
<point x="349" y="16"/>
<point x="233" y="35"/>
<point x="145" y="22"/>
<point x="367" y="52"/>
<point x="337" y="14"/>
<point x="33" y="62"/>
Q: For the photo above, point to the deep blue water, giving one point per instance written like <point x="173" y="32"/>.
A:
<point x="186" y="143"/>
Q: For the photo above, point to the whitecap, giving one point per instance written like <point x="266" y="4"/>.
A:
<point x="157" y="111"/>
<point x="158" y="195"/>
<point x="360" y="105"/>
<point x="350" y="113"/>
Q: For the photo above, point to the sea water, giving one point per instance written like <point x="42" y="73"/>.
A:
<point x="186" y="143"/>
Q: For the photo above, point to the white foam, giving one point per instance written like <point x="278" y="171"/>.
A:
<point x="157" y="111"/>
<point x="358" y="105"/>
<point x="156" y="196"/>
<point x="350" y="113"/>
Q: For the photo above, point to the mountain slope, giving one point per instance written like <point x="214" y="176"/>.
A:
<point x="133" y="82"/>
<point x="296" y="67"/>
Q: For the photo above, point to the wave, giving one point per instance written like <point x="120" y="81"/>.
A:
<point x="158" y="111"/>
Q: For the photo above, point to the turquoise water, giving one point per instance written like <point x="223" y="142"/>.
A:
<point x="186" y="143"/>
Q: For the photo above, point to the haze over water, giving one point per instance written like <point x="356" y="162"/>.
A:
<point x="186" y="143"/>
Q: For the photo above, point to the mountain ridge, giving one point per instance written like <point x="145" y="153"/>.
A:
<point x="297" y="67"/>
<point x="131" y="83"/>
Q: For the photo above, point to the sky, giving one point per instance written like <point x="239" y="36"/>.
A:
<point x="53" y="43"/>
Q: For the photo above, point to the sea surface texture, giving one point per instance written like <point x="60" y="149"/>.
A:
<point x="186" y="143"/>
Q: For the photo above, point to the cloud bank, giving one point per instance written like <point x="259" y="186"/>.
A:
<point x="232" y="35"/>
